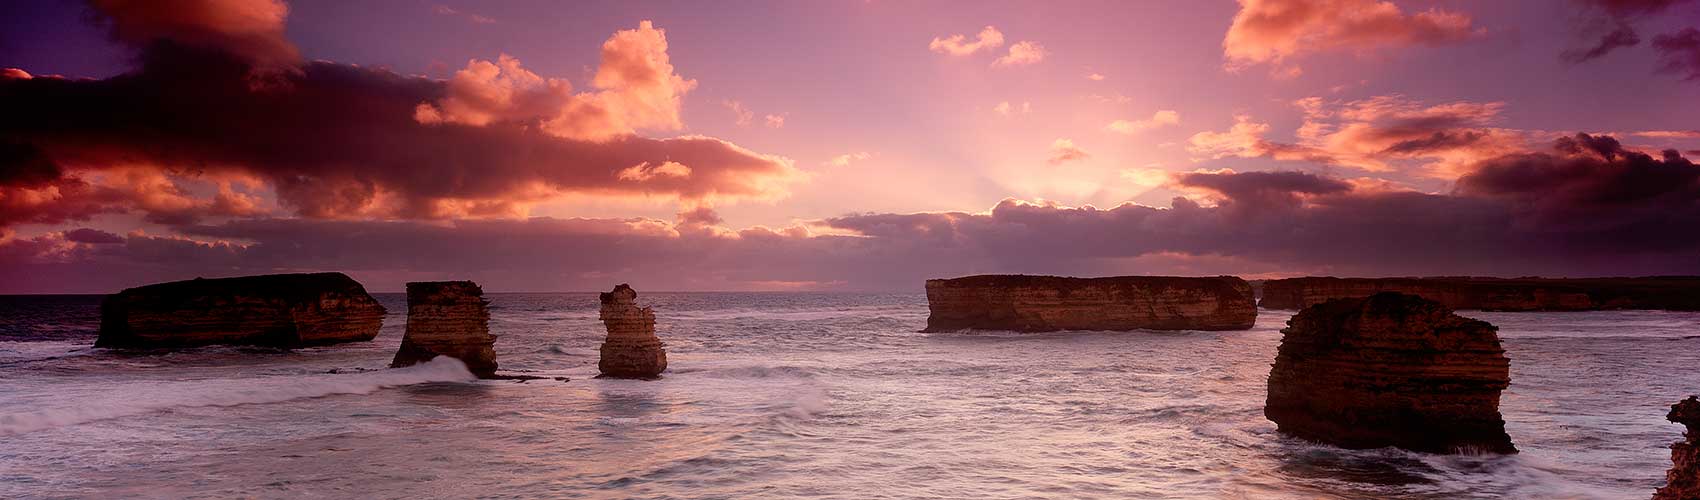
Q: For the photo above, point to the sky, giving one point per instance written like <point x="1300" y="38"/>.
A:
<point x="843" y="146"/>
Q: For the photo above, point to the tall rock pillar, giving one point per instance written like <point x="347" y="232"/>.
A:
<point x="631" y="349"/>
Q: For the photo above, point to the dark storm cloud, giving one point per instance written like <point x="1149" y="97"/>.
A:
<point x="1615" y="18"/>
<point x="92" y="236"/>
<point x="1679" y="53"/>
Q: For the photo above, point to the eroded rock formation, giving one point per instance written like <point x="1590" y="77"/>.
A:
<point x="631" y="349"/>
<point x="279" y="310"/>
<point x="448" y="318"/>
<point x="1682" y="481"/>
<point x="1050" y="303"/>
<point x="1676" y="293"/>
<point x="1390" y="370"/>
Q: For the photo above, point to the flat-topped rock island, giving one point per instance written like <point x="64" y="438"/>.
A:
<point x="1051" y="303"/>
<point x="1672" y="293"/>
<point x="276" y="310"/>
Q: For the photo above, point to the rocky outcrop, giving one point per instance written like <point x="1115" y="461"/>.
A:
<point x="1676" y="293"/>
<point x="448" y="318"/>
<point x="279" y="310"/>
<point x="1390" y="370"/>
<point x="1682" y="481"/>
<point x="631" y="349"/>
<point x="1049" y="303"/>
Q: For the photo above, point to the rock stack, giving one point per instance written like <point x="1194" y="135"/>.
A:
<point x="448" y="318"/>
<point x="1049" y="303"/>
<point x="278" y="310"/>
<point x="1682" y="482"/>
<point x="631" y="350"/>
<point x="1390" y="370"/>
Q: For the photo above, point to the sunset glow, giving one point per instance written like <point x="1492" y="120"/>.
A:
<point x="543" y="146"/>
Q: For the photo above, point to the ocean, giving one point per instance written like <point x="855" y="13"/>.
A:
<point x="796" y="395"/>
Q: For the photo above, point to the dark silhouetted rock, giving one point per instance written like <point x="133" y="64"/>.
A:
<point x="1682" y="481"/>
<point x="1390" y="370"/>
<point x="631" y="349"/>
<point x="1675" y="293"/>
<point x="279" y="310"/>
<point x="448" y="318"/>
<point x="1050" y="303"/>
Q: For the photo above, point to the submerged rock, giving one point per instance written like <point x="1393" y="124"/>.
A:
<point x="278" y="310"/>
<point x="1676" y="293"/>
<point x="1050" y="303"/>
<point x="1390" y="370"/>
<point x="1682" y="481"/>
<point x="631" y="349"/>
<point x="448" y="318"/>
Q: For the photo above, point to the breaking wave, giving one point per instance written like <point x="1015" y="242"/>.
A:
<point x="146" y="397"/>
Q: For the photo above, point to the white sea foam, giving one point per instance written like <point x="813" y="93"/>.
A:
<point x="140" y="398"/>
<point x="22" y="352"/>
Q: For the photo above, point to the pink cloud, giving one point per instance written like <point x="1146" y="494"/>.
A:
<point x="1064" y="151"/>
<point x="1021" y="54"/>
<point x="1161" y="118"/>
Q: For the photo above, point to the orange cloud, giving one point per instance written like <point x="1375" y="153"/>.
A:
<point x="1273" y="31"/>
<point x="251" y="29"/>
<point x="637" y="89"/>
<point x="958" y="45"/>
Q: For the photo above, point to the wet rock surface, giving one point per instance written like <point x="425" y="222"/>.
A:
<point x="1682" y="482"/>
<point x="278" y="310"/>
<point x="1390" y="370"/>
<point x="1050" y="303"/>
<point x="448" y="318"/>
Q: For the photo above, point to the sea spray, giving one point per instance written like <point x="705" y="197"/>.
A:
<point x="140" y="398"/>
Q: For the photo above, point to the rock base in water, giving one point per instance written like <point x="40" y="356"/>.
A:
<point x="1682" y="482"/>
<point x="1050" y="303"/>
<point x="448" y="318"/>
<point x="631" y="350"/>
<point x="1390" y="370"/>
<point x="278" y="310"/>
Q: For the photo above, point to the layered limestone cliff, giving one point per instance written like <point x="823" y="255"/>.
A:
<point x="631" y="349"/>
<point x="279" y="310"/>
<point x="1676" y="293"/>
<point x="1682" y="481"/>
<point x="1049" y="303"/>
<point x="1390" y="370"/>
<point x="448" y="318"/>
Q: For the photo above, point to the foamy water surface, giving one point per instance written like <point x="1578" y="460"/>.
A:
<point x="796" y="395"/>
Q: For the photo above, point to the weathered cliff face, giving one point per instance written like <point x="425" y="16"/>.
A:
<point x="1050" y="303"/>
<point x="279" y="310"/>
<point x="631" y="349"/>
<point x="1682" y="482"/>
<point x="448" y="318"/>
<point x="1675" y="293"/>
<point x="1390" y="370"/>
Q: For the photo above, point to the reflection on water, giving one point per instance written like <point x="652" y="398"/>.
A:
<point x="801" y="395"/>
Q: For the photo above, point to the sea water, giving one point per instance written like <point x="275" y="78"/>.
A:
<point x="793" y="395"/>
